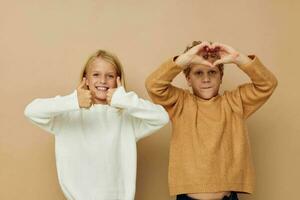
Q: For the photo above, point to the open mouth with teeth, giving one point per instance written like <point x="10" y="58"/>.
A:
<point x="102" y="88"/>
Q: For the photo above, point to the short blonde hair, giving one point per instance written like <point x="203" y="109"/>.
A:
<point x="109" y="57"/>
<point x="187" y="70"/>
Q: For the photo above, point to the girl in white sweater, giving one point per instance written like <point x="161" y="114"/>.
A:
<point x="96" y="129"/>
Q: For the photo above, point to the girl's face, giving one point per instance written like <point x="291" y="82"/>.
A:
<point x="205" y="81"/>
<point x="100" y="76"/>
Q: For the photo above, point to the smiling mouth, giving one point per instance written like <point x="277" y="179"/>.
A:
<point x="204" y="88"/>
<point x="102" y="88"/>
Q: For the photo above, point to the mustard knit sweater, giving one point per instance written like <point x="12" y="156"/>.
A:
<point x="210" y="148"/>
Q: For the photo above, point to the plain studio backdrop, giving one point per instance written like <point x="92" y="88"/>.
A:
<point x="44" y="44"/>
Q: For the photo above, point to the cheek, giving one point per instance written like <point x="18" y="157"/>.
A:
<point x="197" y="80"/>
<point x="90" y="81"/>
<point x="219" y="81"/>
<point x="217" y="84"/>
<point x="189" y="81"/>
<point x="112" y="83"/>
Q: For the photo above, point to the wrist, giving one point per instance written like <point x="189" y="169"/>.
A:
<point x="181" y="61"/>
<point x="242" y="59"/>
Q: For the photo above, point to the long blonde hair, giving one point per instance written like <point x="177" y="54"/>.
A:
<point x="109" y="57"/>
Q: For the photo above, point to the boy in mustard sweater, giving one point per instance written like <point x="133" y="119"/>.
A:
<point x="210" y="155"/>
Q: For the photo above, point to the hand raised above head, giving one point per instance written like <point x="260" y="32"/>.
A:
<point x="229" y="55"/>
<point x="194" y="55"/>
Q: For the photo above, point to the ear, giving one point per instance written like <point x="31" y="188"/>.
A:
<point x="188" y="79"/>
<point x="86" y="81"/>
<point x="221" y="79"/>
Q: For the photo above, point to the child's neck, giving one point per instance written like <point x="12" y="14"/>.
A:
<point x="103" y="102"/>
<point x="206" y="99"/>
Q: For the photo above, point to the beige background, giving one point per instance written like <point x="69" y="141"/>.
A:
<point x="44" y="44"/>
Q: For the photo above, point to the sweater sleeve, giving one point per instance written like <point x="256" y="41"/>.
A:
<point x="46" y="113"/>
<point x="147" y="117"/>
<point x="252" y="96"/>
<point x="161" y="90"/>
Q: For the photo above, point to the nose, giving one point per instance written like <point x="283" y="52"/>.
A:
<point x="206" y="78"/>
<point x="102" y="79"/>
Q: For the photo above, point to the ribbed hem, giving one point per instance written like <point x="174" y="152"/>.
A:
<point x="211" y="187"/>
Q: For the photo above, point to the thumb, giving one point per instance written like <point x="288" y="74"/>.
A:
<point x="196" y="49"/>
<point x="82" y="84"/>
<point x="200" y="60"/>
<point x="119" y="84"/>
<point x="217" y="62"/>
<point x="224" y="60"/>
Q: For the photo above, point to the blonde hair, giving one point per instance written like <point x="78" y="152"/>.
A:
<point x="187" y="70"/>
<point x="109" y="57"/>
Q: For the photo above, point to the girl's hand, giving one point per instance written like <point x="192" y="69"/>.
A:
<point x="84" y="96"/>
<point x="111" y="91"/>
<point x="194" y="56"/>
<point x="229" y="55"/>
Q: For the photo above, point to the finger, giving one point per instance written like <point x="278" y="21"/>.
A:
<point x="207" y="63"/>
<point x="200" y="47"/>
<point x="109" y="94"/>
<point x="217" y="62"/>
<point x="222" y="61"/>
<point x="82" y="84"/>
<point x="200" y="60"/>
<point x="93" y="95"/>
<point x="206" y="44"/>
<point x="108" y="100"/>
<point x="119" y="83"/>
<point x="108" y="97"/>
<point x="220" y="47"/>
<point x="224" y="47"/>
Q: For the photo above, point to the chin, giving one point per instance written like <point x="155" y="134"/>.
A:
<point x="207" y="96"/>
<point x="100" y="94"/>
<point x="100" y="97"/>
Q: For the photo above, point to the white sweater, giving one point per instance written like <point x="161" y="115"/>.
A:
<point x="96" y="147"/>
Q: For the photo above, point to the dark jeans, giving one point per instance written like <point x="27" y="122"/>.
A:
<point x="232" y="196"/>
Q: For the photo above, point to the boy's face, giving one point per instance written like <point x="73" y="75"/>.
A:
<point x="204" y="80"/>
<point x="101" y="76"/>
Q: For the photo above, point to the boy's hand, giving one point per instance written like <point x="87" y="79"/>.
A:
<point x="229" y="55"/>
<point x="111" y="91"/>
<point x="194" y="56"/>
<point x="84" y="95"/>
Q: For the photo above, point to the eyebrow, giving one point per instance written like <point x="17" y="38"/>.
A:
<point x="111" y="72"/>
<point x="198" y="70"/>
<point x="205" y="71"/>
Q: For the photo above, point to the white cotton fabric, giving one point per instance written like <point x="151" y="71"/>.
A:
<point x="96" y="147"/>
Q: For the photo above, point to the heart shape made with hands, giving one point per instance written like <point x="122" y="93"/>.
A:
<point x="211" y="53"/>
